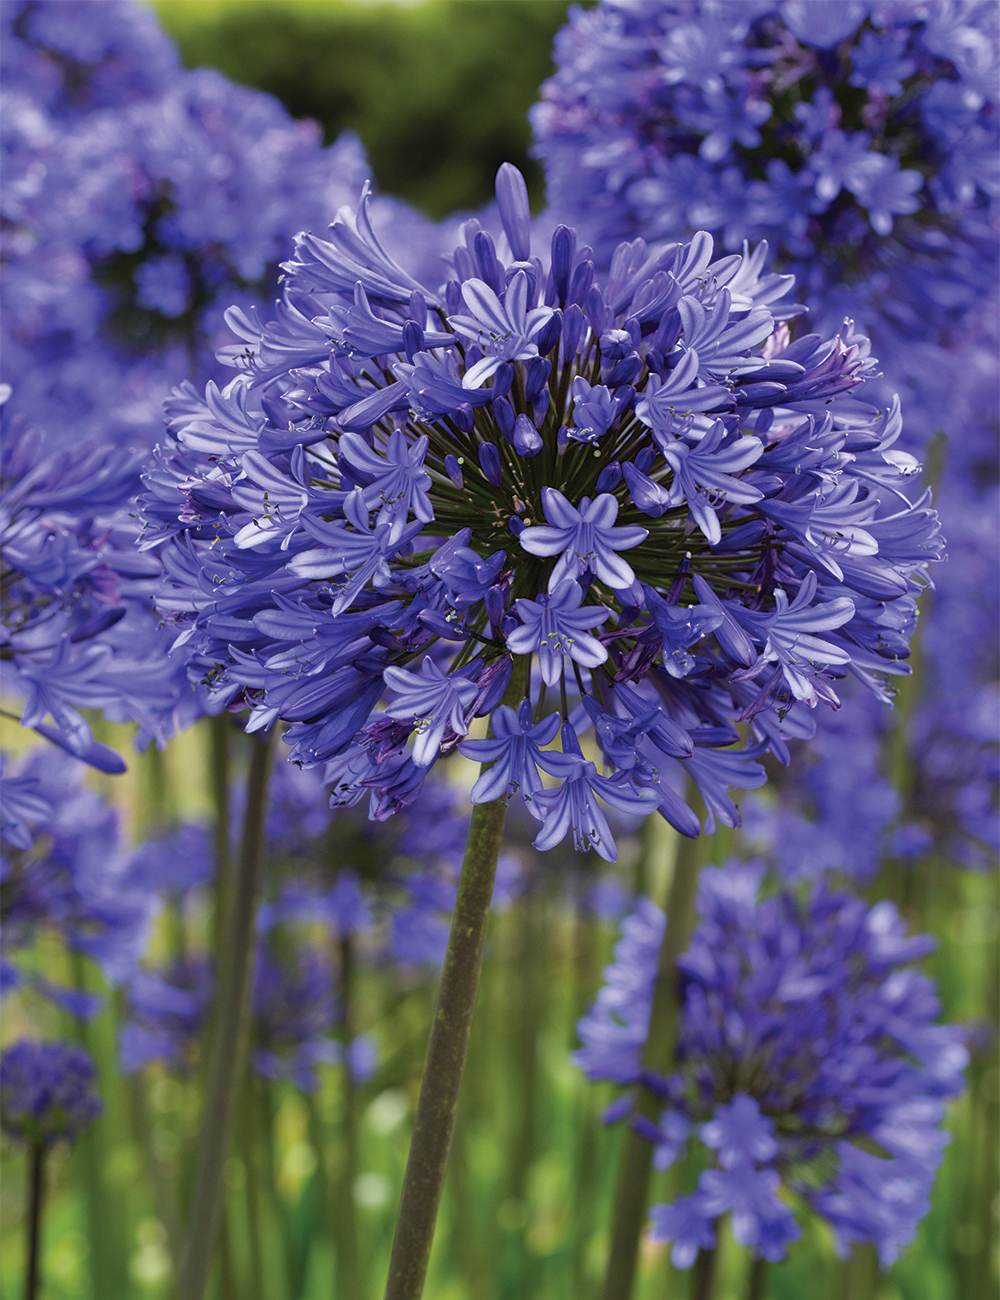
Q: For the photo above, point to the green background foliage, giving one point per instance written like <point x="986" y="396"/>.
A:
<point x="438" y="91"/>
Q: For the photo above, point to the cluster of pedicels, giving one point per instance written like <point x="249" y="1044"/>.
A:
<point x="811" y="1070"/>
<point x="46" y="1092"/>
<point x="545" y="497"/>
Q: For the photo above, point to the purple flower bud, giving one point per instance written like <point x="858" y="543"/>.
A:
<point x="667" y="332"/>
<point x="463" y="417"/>
<point x="418" y="308"/>
<point x="413" y="340"/>
<point x="503" y="413"/>
<point x="453" y="297"/>
<point x="563" y="250"/>
<point x="540" y="408"/>
<point x="494" y="601"/>
<point x="615" y="343"/>
<point x="489" y="459"/>
<point x="502" y="380"/>
<point x="527" y="440"/>
<point x="573" y="326"/>
<point x="609" y="477"/>
<point x="598" y="312"/>
<point x="549" y="334"/>
<point x="453" y="469"/>
<point x="624" y="371"/>
<point x="582" y="282"/>
<point x="512" y="200"/>
<point x="536" y="378"/>
<point x="532" y="271"/>
<point x="490" y="269"/>
<point x="645" y="459"/>
<point x="516" y="525"/>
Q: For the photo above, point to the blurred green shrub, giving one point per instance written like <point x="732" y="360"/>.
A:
<point x="437" y="90"/>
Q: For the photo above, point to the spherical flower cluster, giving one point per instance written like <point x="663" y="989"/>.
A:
<point x="74" y="881"/>
<point x="861" y="140"/>
<point x="809" y="1063"/>
<point x="46" y="1092"/>
<point x="639" y="483"/>
<point x="823" y="127"/>
<point x="140" y="200"/>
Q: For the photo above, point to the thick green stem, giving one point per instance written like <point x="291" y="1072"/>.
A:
<point x="629" y="1214"/>
<point x="757" y="1279"/>
<point x="706" y="1269"/>
<point x="446" y="1052"/>
<point x="229" y="1034"/>
<point x="36" y="1201"/>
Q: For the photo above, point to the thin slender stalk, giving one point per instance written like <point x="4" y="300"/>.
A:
<point x="350" y="1283"/>
<point x="757" y="1279"/>
<point x="521" y="1277"/>
<point x="251" y="1191"/>
<point x="446" y="1053"/>
<point x="586" y="969"/>
<point x="219" y="734"/>
<point x="164" y="1191"/>
<point x="629" y="1212"/>
<point x="706" y="1269"/>
<point x="229" y="1034"/>
<point x="36" y="1201"/>
<point x="859" y="1273"/>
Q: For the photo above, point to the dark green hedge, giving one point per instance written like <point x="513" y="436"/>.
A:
<point x="438" y="91"/>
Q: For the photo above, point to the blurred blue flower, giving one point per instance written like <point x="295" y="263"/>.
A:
<point x="806" y="1035"/>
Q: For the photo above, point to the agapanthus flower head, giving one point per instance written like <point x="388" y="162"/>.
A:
<point x="810" y="1062"/>
<point x="77" y="630"/>
<point x="824" y="127"/>
<point x="400" y="505"/>
<point x="46" y="1092"/>
<point x="860" y="140"/>
<point x="294" y="1006"/>
<point x="64" y="870"/>
<point x="142" y="198"/>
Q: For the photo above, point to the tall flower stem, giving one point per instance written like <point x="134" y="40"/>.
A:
<point x="757" y="1279"/>
<point x="36" y="1202"/>
<point x="229" y="1034"/>
<point x="706" y="1269"/>
<point x="219" y="729"/>
<point x="446" y="1052"/>
<point x="350" y="1285"/>
<point x="629" y="1213"/>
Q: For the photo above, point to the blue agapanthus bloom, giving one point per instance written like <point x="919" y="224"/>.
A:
<point x="77" y="629"/>
<point x="823" y="127"/>
<point x="46" y="1092"/>
<point x="811" y="1067"/>
<point x="358" y="540"/>
<point x="74" y="881"/>
<point x="141" y="199"/>
<point x="294" y="1014"/>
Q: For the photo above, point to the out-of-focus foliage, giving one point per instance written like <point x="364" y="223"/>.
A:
<point x="438" y="91"/>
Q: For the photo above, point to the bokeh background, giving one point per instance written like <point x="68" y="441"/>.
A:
<point x="438" y="92"/>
